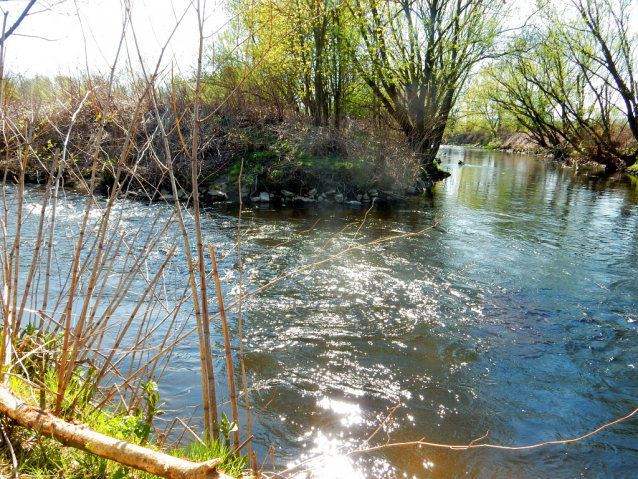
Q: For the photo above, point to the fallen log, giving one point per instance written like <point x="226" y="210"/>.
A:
<point x="125" y="453"/>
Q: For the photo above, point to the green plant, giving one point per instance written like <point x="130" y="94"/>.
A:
<point x="232" y="464"/>
<point x="225" y="428"/>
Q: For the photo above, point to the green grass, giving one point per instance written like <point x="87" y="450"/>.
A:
<point x="39" y="456"/>
<point x="233" y="465"/>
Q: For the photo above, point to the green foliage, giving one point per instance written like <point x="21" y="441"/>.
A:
<point x="567" y="77"/>
<point x="40" y="456"/>
<point x="233" y="465"/>
<point x="226" y="427"/>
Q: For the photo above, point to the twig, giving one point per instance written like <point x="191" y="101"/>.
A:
<point x="13" y="455"/>
<point x="243" y="444"/>
<point x="494" y="446"/>
<point x="193" y="433"/>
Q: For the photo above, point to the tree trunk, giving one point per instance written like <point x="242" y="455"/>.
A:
<point x="125" y="453"/>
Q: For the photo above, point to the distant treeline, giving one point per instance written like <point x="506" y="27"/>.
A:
<point x="416" y="69"/>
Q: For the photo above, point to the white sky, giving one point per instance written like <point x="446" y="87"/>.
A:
<point x="52" y="42"/>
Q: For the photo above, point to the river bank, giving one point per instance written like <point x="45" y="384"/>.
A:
<point x="279" y="162"/>
<point x="524" y="143"/>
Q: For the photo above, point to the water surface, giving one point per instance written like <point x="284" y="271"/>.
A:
<point x="516" y="314"/>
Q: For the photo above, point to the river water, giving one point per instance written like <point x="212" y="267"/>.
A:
<point x="516" y="313"/>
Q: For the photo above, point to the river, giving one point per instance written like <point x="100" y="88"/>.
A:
<point x="516" y="314"/>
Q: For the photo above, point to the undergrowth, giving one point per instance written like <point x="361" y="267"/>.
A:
<point x="42" y="457"/>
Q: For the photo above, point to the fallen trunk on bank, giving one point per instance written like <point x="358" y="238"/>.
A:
<point x="125" y="453"/>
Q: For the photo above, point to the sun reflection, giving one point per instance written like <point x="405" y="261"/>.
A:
<point x="330" y="466"/>
<point x="330" y="462"/>
<point x="351" y="412"/>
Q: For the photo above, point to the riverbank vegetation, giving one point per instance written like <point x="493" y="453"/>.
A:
<point x="568" y="80"/>
<point x="363" y="91"/>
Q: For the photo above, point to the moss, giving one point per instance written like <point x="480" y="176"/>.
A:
<point x="433" y="172"/>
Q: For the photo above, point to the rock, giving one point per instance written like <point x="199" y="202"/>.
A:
<point x="353" y="203"/>
<point x="303" y="199"/>
<point x="168" y="197"/>
<point x="163" y="192"/>
<point x="287" y="194"/>
<point x="320" y="199"/>
<point x="323" y="196"/>
<point x="312" y="192"/>
<point x="339" y="198"/>
<point x="411" y="190"/>
<point x="245" y="191"/>
<point x="180" y="193"/>
<point x="330" y="192"/>
<point x="255" y="199"/>
<point x="264" y="197"/>
<point x="366" y="197"/>
<point x="359" y="197"/>
<point x="373" y="193"/>
<point x="217" y="195"/>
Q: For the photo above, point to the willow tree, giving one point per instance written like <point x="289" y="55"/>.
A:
<point x="613" y="48"/>
<point x="570" y="80"/>
<point x="416" y="55"/>
<point x="477" y="109"/>
<point x="544" y="90"/>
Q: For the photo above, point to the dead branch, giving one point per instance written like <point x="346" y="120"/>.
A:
<point x="125" y="453"/>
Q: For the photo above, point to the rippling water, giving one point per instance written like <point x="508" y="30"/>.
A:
<point x="516" y="314"/>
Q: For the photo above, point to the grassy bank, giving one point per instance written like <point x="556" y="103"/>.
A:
<point x="37" y="455"/>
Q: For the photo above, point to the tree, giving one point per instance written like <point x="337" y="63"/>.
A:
<point x="544" y="91"/>
<point x="297" y="52"/>
<point x="416" y="55"/>
<point x="612" y="49"/>
<point x="477" y="111"/>
<point x="567" y="78"/>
